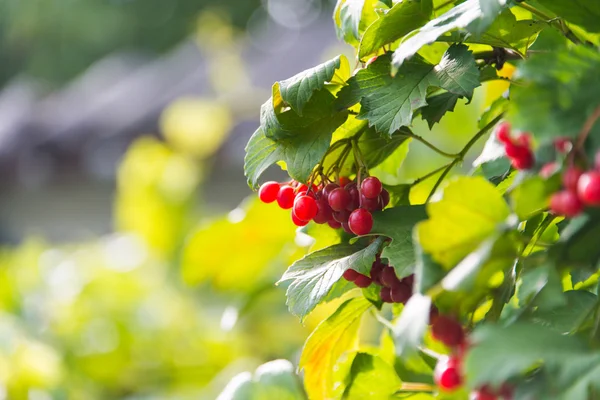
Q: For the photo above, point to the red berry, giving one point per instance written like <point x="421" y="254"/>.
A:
<point x="549" y="169"/>
<point x="297" y="221"/>
<point x="371" y="187"/>
<point x="350" y="275"/>
<point x="483" y="394"/>
<point x="385" y="198"/>
<point x="597" y="161"/>
<point x="506" y="391"/>
<point x="448" y="331"/>
<point x="503" y="133"/>
<point x="386" y="295"/>
<point x="447" y="375"/>
<point x="370" y="204"/>
<point x="376" y="270"/>
<point x="563" y="144"/>
<point x="588" y="188"/>
<point x="341" y="216"/>
<point x="344" y="180"/>
<point x="285" y="197"/>
<point x="409" y="280"/>
<point x="524" y="162"/>
<point x="334" y="224"/>
<point x="354" y="197"/>
<point x="515" y="151"/>
<point x="330" y="187"/>
<point x="571" y="177"/>
<point x="339" y="199"/>
<point x="268" y="192"/>
<point x="402" y="293"/>
<point x="360" y="222"/>
<point x="362" y="281"/>
<point x="305" y="208"/>
<point x="346" y="227"/>
<point x="524" y="140"/>
<point x="324" y="212"/>
<point x="389" y="278"/>
<point x="304" y="188"/>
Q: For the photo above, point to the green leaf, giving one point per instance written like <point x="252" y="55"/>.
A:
<point x="533" y="195"/>
<point x="399" y="194"/>
<point x="372" y="378"/>
<point x="567" y="318"/>
<point x="471" y="210"/>
<point x="397" y="223"/>
<point x="301" y="153"/>
<point x="497" y="108"/>
<point x="411" y="327"/>
<point x="389" y="171"/>
<point x="585" y="13"/>
<point x="467" y="269"/>
<point x="314" y="275"/>
<point x="559" y="92"/>
<point x="332" y="337"/>
<point x="352" y="17"/>
<point x="578" y="243"/>
<point x="505" y="32"/>
<point x="460" y="16"/>
<point x="492" y="151"/>
<point x="388" y="103"/>
<point x="540" y="285"/>
<point x="297" y="90"/>
<point x="273" y="380"/>
<point x="529" y="344"/>
<point x="437" y="106"/>
<point x="427" y="272"/>
<point x="401" y="19"/>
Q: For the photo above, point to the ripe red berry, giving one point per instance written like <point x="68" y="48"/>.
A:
<point x="483" y="394"/>
<point x="354" y="197"/>
<point x="341" y="216"/>
<point x="334" y="224"/>
<point x="588" y="188"/>
<point x="524" y="140"/>
<point x="339" y="199"/>
<point x="362" y="281"/>
<point x="386" y="295"/>
<point x="503" y="133"/>
<point x="285" y="197"/>
<point x="371" y="187"/>
<point x="525" y="162"/>
<point x="370" y="204"/>
<point x="447" y="374"/>
<point x="409" y="280"/>
<point x="350" y="275"/>
<point x="297" y="221"/>
<point x="305" y="208"/>
<point x="566" y="203"/>
<point x="346" y="228"/>
<point x="268" y="192"/>
<point x="385" y="198"/>
<point x="389" y="278"/>
<point x="323" y="213"/>
<point x="402" y="293"/>
<point x="376" y="270"/>
<point x="360" y="222"/>
<point x="516" y="151"/>
<point x="448" y="331"/>
<point x="571" y="178"/>
<point x="330" y="187"/>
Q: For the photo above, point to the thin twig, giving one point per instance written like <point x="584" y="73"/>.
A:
<point x="429" y="144"/>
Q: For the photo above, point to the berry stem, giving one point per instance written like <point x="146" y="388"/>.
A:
<point x="560" y="25"/>
<point x="461" y="155"/>
<point x="428" y="144"/>
<point x="583" y="134"/>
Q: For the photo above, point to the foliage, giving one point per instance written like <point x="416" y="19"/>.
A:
<point x="487" y="248"/>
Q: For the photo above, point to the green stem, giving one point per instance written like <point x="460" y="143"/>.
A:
<point x="564" y="29"/>
<point x="429" y="144"/>
<point x="460" y="156"/>
<point x="429" y="175"/>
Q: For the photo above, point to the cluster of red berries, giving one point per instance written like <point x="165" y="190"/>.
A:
<point x="517" y="149"/>
<point x="448" y="370"/>
<point x="580" y="189"/>
<point x="345" y="205"/>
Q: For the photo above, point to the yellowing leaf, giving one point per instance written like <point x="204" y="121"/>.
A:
<point x="470" y="211"/>
<point x="332" y="338"/>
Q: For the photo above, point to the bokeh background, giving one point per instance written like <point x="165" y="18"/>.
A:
<point x="134" y="261"/>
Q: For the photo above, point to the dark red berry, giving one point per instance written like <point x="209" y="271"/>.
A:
<point x="597" y="161"/>
<point x="447" y="374"/>
<point x="386" y="295"/>
<point x="503" y="133"/>
<point x="402" y="293"/>
<point x="389" y="278"/>
<point x="362" y="281"/>
<point x="330" y="187"/>
<point x="285" y="197"/>
<point x="549" y="169"/>
<point x="409" y="280"/>
<point x="385" y="198"/>
<point x="350" y="275"/>
<point x="360" y="222"/>
<point x="334" y="224"/>
<point x="268" y="192"/>
<point x="566" y="203"/>
<point x="588" y="188"/>
<point x="370" y="204"/>
<point x="339" y="199"/>
<point x="571" y="178"/>
<point x="346" y="228"/>
<point x="297" y="221"/>
<point x="371" y="187"/>
<point x="448" y="331"/>
<point x="323" y="213"/>
<point x="563" y="144"/>
<point x="305" y="208"/>
<point x="376" y="270"/>
<point x="516" y="151"/>
<point x="341" y="216"/>
<point x="506" y="391"/>
<point x="483" y="394"/>
<point x="354" y="197"/>
<point x="344" y="180"/>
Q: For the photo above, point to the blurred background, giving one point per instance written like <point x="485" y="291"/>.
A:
<point x="134" y="262"/>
